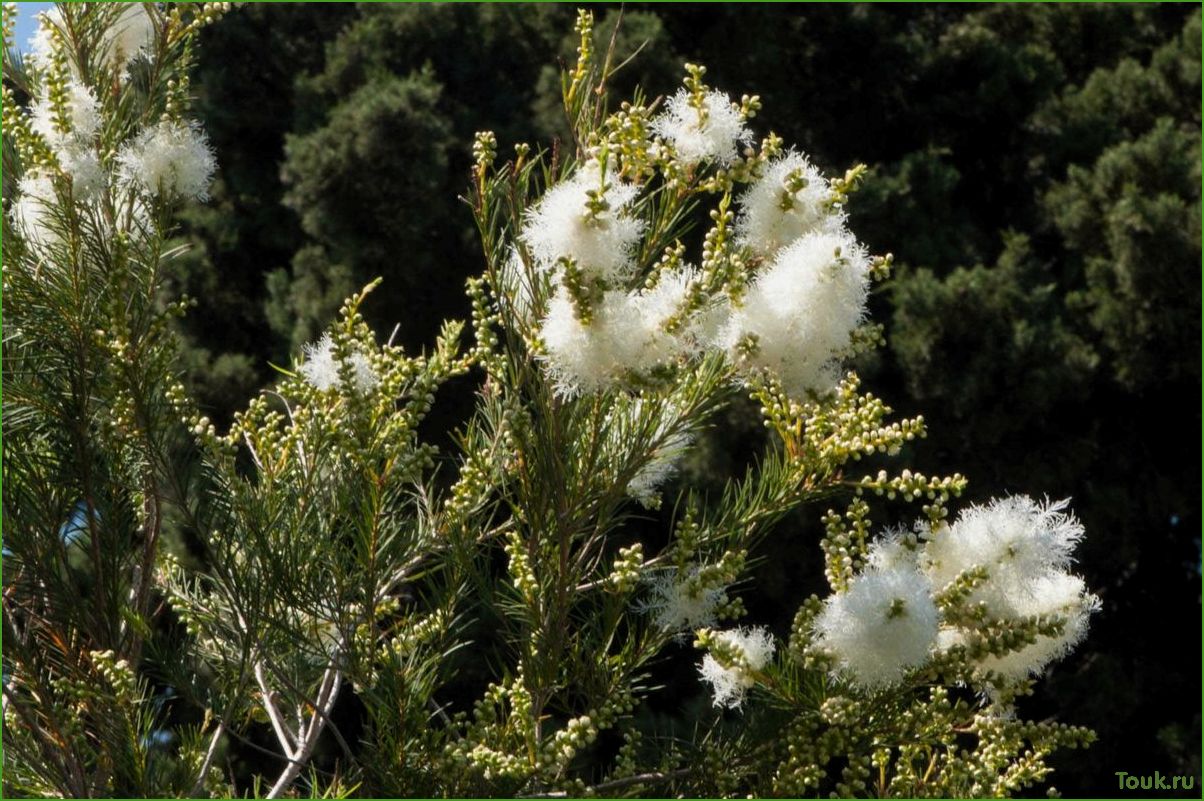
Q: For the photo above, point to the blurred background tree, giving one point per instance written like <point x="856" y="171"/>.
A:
<point x="1035" y="170"/>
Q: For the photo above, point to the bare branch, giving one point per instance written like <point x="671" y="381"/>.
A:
<point x="328" y="693"/>
<point x="199" y="786"/>
<point x="287" y="740"/>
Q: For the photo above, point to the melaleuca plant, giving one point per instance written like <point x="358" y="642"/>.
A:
<point x="98" y="156"/>
<point x="495" y="615"/>
<point x="637" y="279"/>
<point x="309" y="545"/>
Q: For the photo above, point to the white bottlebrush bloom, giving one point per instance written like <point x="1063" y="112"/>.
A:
<point x="729" y="684"/>
<point x="31" y="211"/>
<point x="801" y="311"/>
<point x="1017" y="539"/>
<point x="170" y="159"/>
<point x="882" y="625"/>
<point x="36" y="206"/>
<point x="587" y="358"/>
<point x="560" y="226"/>
<point x="664" y="300"/>
<point x="625" y="334"/>
<point x="712" y="323"/>
<point x="321" y="369"/>
<point x="83" y="117"/>
<point x="75" y="148"/>
<point x="680" y="604"/>
<point x="1026" y="547"/>
<point x="659" y="469"/>
<point x="131" y="34"/>
<point x="717" y="139"/>
<point x="772" y="215"/>
<point x="896" y="549"/>
<point x="41" y="44"/>
<point x="1056" y="593"/>
<point x="88" y="177"/>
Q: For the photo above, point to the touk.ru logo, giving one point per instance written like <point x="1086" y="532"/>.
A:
<point x="1155" y="782"/>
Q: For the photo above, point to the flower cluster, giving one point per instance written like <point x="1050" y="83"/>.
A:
<point x="586" y="220"/>
<point x="733" y="660"/>
<point x="79" y="146"/>
<point x="624" y="333"/>
<point x="685" y="603"/>
<point x="72" y="143"/>
<point x="67" y="125"/>
<point x="170" y="159"/>
<point x="703" y="127"/>
<point x="32" y="210"/>
<point x="321" y="367"/>
<point x="132" y="32"/>
<point x="1026" y="549"/>
<point x="782" y="284"/>
<point x="1003" y="564"/>
<point x="882" y="625"/>
<point x="800" y="312"/>
<point x="791" y="200"/>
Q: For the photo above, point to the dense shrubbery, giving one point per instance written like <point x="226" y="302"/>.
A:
<point x="1035" y="171"/>
<point x="1046" y="233"/>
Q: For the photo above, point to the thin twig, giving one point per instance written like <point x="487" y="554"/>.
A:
<point x="280" y="676"/>
<point x="269" y="704"/>
<point x="199" y="787"/>
<point x="596" y="583"/>
<point x="328" y="693"/>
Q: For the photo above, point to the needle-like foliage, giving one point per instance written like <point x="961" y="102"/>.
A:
<point x="173" y="592"/>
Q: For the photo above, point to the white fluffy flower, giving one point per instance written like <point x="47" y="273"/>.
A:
<point x="882" y="625"/>
<point x="772" y="216"/>
<point x="682" y="605"/>
<point x="170" y="159"/>
<point x="625" y="334"/>
<point x="131" y="33"/>
<point x="717" y="139"/>
<point x="1059" y="594"/>
<point x="729" y="684"/>
<point x="74" y="148"/>
<point x="322" y="369"/>
<point x="587" y="358"/>
<point x="895" y="549"/>
<point x="1017" y="539"/>
<point x="1026" y="547"/>
<point x="664" y="300"/>
<point x="659" y="469"/>
<point x="83" y="117"/>
<point x="36" y="205"/>
<point x="559" y="226"/>
<point x="30" y="212"/>
<point x="88" y="177"/>
<point x="41" y="44"/>
<point x="801" y="311"/>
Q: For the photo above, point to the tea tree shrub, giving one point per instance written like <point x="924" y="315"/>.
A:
<point x="173" y="592"/>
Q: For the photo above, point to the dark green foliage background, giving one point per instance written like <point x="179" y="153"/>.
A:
<point x="1035" y="171"/>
